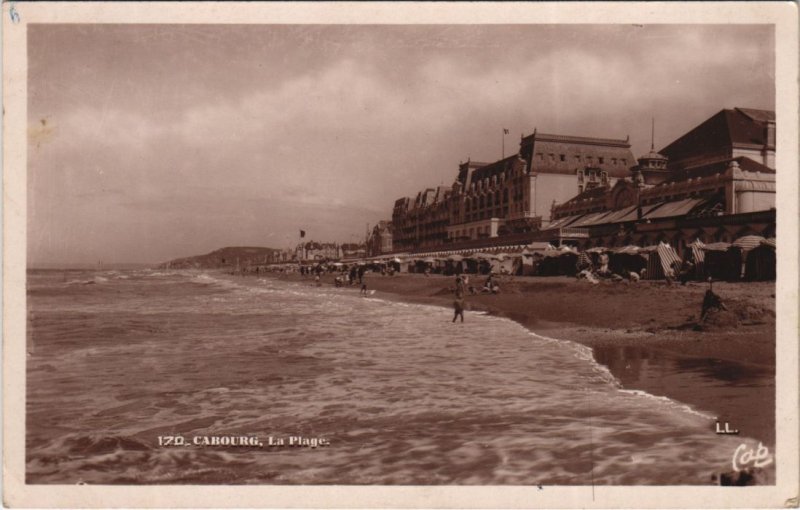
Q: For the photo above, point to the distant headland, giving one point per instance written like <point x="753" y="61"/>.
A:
<point x="230" y="256"/>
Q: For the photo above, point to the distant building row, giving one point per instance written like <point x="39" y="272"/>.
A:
<point x="724" y="166"/>
<point x="312" y="250"/>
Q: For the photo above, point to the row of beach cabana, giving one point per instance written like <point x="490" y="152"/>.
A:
<point x="749" y="258"/>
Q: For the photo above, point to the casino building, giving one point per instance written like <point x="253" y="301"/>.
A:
<point x="715" y="183"/>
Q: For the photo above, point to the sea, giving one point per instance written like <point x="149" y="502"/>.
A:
<point x="198" y="377"/>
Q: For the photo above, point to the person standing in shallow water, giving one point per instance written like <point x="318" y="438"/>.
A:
<point x="458" y="304"/>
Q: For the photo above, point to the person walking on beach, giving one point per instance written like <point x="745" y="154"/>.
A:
<point x="458" y="304"/>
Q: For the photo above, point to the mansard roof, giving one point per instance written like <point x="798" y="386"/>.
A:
<point x="545" y="152"/>
<point x="463" y="169"/>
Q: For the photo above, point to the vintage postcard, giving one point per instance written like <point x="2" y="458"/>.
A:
<point x="400" y="255"/>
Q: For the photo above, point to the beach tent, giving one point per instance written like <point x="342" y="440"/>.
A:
<point x="469" y="264"/>
<point x="719" y="262"/>
<point x="539" y="246"/>
<point x="526" y="265"/>
<point x="660" y="262"/>
<point x="760" y="262"/>
<point x="594" y="255"/>
<point x="740" y="249"/>
<point x="627" y="259"/>
<point x="553" y="262"/>
<point x="584" y="260"/>
<point x="453" y="264"/>
<point x="504" y="263"/>
<point x="698" y="256"/>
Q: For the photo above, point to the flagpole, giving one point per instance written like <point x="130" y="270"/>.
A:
<point x="503" y="155"/>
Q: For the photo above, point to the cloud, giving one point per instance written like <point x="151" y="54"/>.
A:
<point x="327" y="125"/>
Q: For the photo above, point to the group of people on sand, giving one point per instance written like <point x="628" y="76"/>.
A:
<point x="587" y="271"/>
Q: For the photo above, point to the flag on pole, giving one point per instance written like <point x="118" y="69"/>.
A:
<point x="505" y="131"/>
<point x="302" y="233"/>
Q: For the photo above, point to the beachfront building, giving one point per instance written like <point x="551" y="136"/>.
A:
<point x="279" y="256"/>
<point x="512" y="195"/>
<point x="422" y="221"/>
<point x="516" y="194"/>
<point x="313" y="250"/>
<point x="379" y="240"/>
<point x="353" y="250"/>
<point x="715" y="183"/>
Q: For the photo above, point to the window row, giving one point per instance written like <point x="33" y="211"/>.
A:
<point x="579" y="159"/>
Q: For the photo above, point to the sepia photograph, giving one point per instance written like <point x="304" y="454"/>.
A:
<point x="441" y="253"/>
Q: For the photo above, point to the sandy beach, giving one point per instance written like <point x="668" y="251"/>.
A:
<point x="646" y="333"/>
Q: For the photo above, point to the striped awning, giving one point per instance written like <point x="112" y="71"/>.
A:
<point x="677" y="208"/>
<point x="563" y="222"/>
<point x="621" y="215"/>
<point x="592" y="219"/>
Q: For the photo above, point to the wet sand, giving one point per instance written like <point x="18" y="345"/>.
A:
<point x="645" y="333"/>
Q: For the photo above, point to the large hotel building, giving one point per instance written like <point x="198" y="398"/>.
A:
<point x="596" y="188"/>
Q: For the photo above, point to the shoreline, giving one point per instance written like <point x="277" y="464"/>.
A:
<point x="642" y="333"/>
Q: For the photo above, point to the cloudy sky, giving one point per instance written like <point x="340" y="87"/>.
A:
<point x="151" y="142"/>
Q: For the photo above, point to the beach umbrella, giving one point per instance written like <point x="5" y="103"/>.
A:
<point x="769" y="242"/>
<point x="455" y="258"/>
<point x="484" y="256"/>
<point x="428" y="260"/>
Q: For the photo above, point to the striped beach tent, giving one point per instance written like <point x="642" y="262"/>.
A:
<point x="760" y="263"/>
<point x="660" y="261"/>
<point x="747" y="243"/>
<point x="699" y="256"/>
